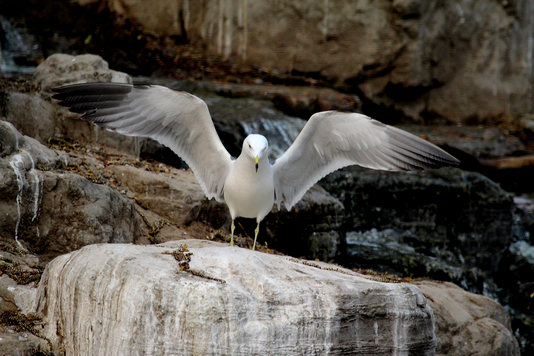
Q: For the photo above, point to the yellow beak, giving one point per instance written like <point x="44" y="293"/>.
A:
<point x="256" y="161"/>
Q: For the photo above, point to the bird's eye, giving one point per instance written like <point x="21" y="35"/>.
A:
<point x="249" y="146"/>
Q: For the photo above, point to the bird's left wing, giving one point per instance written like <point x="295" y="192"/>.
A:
<point x="332" y="140"/>
<point x="178" y="120"/>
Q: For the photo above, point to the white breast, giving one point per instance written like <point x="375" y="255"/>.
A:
<point x="248" y="193"/>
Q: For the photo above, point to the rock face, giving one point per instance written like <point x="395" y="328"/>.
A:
<point x="125" y="299"/>
<point x="457" y="216"/>
<point x="36" y="202"/>
<point x="425" y="59"/>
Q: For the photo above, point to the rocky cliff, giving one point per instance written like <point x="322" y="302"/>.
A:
<point x="461" y="61"/>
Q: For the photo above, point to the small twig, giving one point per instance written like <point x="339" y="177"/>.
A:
<point x="367" y="274"/>
<point x="183" y="256"/>
<point x="155" y="226"/>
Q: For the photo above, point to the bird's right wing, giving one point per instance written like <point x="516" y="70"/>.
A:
<point x="178" y="120"/>
<point x="332" y="140"/>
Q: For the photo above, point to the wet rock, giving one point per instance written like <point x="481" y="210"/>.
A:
<point x="310" y="229"/>
<point x="468" y="323"/>
<point x="404" y="254"/>
<point x="461" y="217"/>
<point x="133" y="299"/>
<point x="50" y="212"/>
<point x="515" y="275"/>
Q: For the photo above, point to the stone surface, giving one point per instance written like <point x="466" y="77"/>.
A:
<point x="126" y="299"/>
<point x="468" y="324"/>
<point x="15" y="297"/>
<point x="20" y="344"/>
<point x="175" y="196"/>
<point x="481" y="142"/>
<point x="462" y="61"/>
<point x="53" y="213"/>
<point x="310" y="229"/>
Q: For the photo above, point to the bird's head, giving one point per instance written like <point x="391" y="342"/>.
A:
<point x="256" y="146"/>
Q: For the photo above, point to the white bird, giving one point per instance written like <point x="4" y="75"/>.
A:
<point x="249" y="184"/>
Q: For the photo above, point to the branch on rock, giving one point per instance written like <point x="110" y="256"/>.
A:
<point x="183" y="256"/>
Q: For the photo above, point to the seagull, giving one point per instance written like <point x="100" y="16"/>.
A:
<point x="249" y="184"/>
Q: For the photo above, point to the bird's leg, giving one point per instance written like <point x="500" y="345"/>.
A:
<point x="232" y="228"/>
<point x="256" y="235"/>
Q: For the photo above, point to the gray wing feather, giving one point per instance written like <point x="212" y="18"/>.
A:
<point x="332" y="140"/>
<point x="178" y="120"/>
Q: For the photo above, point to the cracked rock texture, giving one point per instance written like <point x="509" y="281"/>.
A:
<point x="116" y="299"/>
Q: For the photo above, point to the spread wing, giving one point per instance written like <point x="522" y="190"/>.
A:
<point x="178" y="120"/>
<point x="332" y="140"/>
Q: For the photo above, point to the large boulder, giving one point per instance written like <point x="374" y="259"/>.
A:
<point x="193" y="296"/>
<point x="61" y="69"/>
<point x="127" y="299"/>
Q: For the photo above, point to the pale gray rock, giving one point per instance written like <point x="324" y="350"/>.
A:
<point x="117" y="299"/>
<point x="60" y="69"/>
<point x="15" y="297"/>
<point x="31" y="115"/>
